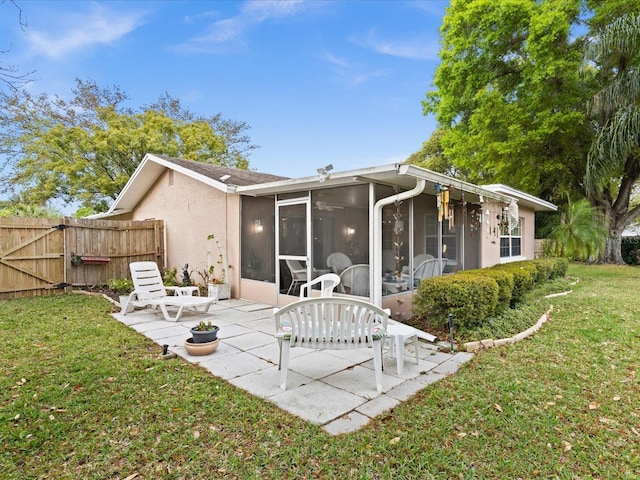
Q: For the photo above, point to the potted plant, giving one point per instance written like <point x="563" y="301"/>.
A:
<point x="204" y="339"/>
<point x="205" y="332"/>
<point x="123" y="288"/>
<point x="217" y="286"/>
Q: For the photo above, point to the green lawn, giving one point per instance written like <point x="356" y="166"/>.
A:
<point x="83" y="396"/>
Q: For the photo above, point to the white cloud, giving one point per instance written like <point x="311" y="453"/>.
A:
<point x="334" y="60"/>
<point x="81" y="30"/>
<point x="417" y="48"/>
<point x="190" y="19"/>
<point x="350" y="72"/>
<point x="366" y="76"/>
<point x="251" y="14"/>
<point x="261" y="10"/>
<point x="432" y="7"/>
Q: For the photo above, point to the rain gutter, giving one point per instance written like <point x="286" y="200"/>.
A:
<point x="376" y="273"/>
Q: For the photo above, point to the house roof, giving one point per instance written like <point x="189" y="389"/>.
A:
<point x="252" y="183"/>
<point x="216" y="172"/>
<point x="226" y="179"/>
<point x="405" y="177"/>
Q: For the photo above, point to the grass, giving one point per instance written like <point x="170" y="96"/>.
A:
<point x="83" y="396"/>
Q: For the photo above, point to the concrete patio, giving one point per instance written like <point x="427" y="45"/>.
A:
<point x="334" y="389"/>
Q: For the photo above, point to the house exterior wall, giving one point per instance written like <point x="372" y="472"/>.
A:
<point x="192" y="211"/>
<point x="490" y="243"/>
<point x="528" y="233"/>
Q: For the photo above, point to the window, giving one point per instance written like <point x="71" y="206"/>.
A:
<point x="511" y="239"/>
<point x="449" y="240"/>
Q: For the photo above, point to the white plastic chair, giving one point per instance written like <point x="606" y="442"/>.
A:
<point x="427" y="269"/>
<point x="338" y="262"/>
<point x="331" y="323"/>
<point x="150" y="291"/>
<point x="417" y="260"/>
<point x="356" y="279"/>
<point x="328" y="283"/>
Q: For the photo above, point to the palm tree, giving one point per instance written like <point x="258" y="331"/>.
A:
<point x="613" y="164"/>
<point x="19" y="205"/>
<point x="581" y="233"/>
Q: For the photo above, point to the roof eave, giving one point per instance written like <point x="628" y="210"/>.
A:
<point x="523" y="198"/>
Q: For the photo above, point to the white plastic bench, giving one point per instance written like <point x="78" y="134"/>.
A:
<point x="331" y="323"/>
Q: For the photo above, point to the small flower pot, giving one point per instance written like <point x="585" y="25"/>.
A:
<point x="204" y="336"/>
<point x="197" y="349"/>
<point x="219" y="291"/>
<point x="124" y="299"/>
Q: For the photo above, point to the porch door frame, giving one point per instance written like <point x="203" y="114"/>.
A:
<point x="306" y="255"/>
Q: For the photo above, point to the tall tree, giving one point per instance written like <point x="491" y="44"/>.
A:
<point x="512" y="98"/>
<point x="84" y="149"/>
<point x="509" y="97"/>
<point x="613" y="167"/>
<point x="10" y="75"/>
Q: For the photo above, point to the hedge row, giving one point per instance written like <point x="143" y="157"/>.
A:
<point x="472" y="296"/>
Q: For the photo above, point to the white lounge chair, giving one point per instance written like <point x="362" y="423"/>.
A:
<point x="149" y="291"/>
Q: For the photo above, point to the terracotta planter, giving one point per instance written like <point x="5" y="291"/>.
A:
<point x="196" y="349"/>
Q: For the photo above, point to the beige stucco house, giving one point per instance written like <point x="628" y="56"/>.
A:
<point x="383" y="222"/>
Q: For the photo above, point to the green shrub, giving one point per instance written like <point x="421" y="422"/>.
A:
<point x="470" y="298"/>
<point x="169" y="277"/>
<point x="523" y="279"/>
<point x="561" y="265"/>
<point x="121" y="286"/>
<point x="631" y="250"/>
<point x="544" y="267"/>
<point x="504" y="279"/>
<point x="477" y="298"/>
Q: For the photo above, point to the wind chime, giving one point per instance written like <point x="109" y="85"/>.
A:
<point x="496" y="219"/>
<point x="444" y="204"/>
<point x="398" y="228"/>
<point x="475" y="220"/>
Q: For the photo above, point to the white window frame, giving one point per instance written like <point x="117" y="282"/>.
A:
<point x="509" y="234"/>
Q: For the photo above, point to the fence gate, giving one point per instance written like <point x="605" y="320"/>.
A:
<point x="40" y="256"/>
<point x="31" y="256"/>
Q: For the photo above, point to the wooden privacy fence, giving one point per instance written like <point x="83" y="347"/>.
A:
<point x="40" y="255"/>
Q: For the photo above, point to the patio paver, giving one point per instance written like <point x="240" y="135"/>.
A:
<point x="333" y="388"/>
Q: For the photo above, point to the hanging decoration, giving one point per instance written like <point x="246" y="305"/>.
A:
<point x="438" y="188"/>
<point x="514" y="214"/>
<point x="398" y="228"/>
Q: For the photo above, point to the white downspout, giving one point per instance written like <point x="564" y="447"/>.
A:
<point x="376" y="272"/>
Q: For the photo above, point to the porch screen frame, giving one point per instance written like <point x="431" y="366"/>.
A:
<point x="302" y="200"/>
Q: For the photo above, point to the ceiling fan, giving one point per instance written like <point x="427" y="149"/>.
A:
<point x="322" y="205"/>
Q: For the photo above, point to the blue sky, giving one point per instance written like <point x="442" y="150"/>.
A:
<point x="318" y="82"/>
